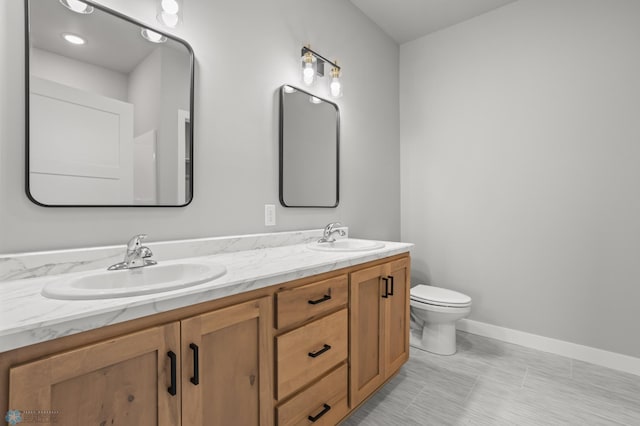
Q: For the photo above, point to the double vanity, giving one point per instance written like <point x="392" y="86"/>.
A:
<point x="258" y="330"/>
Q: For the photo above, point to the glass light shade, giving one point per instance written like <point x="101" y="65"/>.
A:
<point x="77" y="6"/>
<point x="336" y="87"/>
<point x="152" y="36"/>
<point x="170" y="6"/>
<point x="309" y="67"/>
<point x="168" y="19"/>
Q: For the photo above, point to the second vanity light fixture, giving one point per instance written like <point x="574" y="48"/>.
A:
<point x="313" y="66"/>
<point x="169" y="12"/>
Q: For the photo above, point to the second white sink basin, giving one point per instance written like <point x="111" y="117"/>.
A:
<point x="347" y="244"/>
<point x="133" y="282"/>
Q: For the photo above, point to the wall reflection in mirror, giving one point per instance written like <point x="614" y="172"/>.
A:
<point x="110" y="107"/>
<point x="309" y="149"/>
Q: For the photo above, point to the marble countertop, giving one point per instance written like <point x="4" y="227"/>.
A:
<point x="27" y="317"/>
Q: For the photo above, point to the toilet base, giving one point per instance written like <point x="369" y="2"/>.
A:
<point x="439" y="339"/>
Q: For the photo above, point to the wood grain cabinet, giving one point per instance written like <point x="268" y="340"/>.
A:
<point x="311" y="359"/>
<point x="122" y="381"/>
<point x="379" y="326"/>
<point x="226" y="366"/>
<point x="298" y="353"/>
<point x="210" y="369"/>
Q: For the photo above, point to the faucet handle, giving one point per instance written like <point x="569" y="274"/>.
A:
<point x="135" y="242"/>
<point x="145" y="252"/>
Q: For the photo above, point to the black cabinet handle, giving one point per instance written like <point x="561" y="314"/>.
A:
<point x="320" y="352"/>
<point x="324" y="411"/>
<point x="391" y="278"/>
<point x="196" y="364"/>
<point x="172" y="389"/>
<point x="323" y="299"/>
<point x="386" y="287"/>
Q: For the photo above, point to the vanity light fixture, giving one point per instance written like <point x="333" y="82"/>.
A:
<point x="336" y="85"/>
<point x="152" y="36"/>
<point x="313" y="66"/>
<point x="169" y="12"/>
<point x="77" y="6"/>
<point x="73" y="39"/>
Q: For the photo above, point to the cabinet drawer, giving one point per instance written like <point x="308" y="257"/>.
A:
<point x="309" y="301"/>
<point x="326" y="401"/>
<point x="306" y="353"/>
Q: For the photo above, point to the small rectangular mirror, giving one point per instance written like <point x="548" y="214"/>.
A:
<point x="110" y="109"/>
<point x="309" y="149"/>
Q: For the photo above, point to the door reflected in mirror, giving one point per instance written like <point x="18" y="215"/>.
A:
<point x="309" y="149"/>
<point x="109" y="110"/>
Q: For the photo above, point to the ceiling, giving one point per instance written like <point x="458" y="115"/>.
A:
<point x="406" y="20"/>
<point x="112" y="43"/>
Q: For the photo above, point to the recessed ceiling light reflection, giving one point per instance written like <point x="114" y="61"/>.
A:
<point x="73" y="39"/>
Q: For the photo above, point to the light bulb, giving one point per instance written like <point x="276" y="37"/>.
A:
<point x="169" y="19"/>
<point x="73" y="39"/>
<point x="77" y="6"/>
<point x="289" y="89"/>
<point x="336" y="87"/>
<point x="170" y="6"/>
<point x="308" y="74"/>
<point x="314" y="100"/>
<point x="152" y="36"/>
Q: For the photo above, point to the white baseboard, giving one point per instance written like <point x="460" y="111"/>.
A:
<point x="588" y="354"/>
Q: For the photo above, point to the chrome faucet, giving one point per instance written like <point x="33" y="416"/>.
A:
<point x="136" y="256"/>
<point x="329" y="230"/>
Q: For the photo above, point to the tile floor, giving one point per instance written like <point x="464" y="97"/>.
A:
<point x="489" y="382"/>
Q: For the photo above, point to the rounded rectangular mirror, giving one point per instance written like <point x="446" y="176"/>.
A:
<point x="309" y="149"/>
<point x="110" y="109"/>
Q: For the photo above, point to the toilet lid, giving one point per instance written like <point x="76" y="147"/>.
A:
<point x="439" y="296"/>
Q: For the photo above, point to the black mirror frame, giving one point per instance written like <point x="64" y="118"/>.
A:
<point x="27" y="49"/>
<point x="281" y="154"/>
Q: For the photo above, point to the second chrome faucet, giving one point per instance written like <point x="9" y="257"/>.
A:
<point x="136" y="255"/>
<point x="329" y="231"/>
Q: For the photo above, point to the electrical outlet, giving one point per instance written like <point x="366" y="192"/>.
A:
<point x="269" y="215"/>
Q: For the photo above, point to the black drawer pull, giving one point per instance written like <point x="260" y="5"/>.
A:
<point x="323" y="299"/>
<point x="196" y="364"/>
<point x="172" y="389"/>
<point x="320" y="352"/>
<point x="324" y="411"/>
<point x="386" y="287"/>
<point x="391" y="278"/>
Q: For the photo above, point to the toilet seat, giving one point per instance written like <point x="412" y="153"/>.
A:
<point x="437" y="296"/>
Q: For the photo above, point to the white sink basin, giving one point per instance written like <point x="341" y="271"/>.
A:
<point x="133" y="282"/>
<point x="347" y="244"/>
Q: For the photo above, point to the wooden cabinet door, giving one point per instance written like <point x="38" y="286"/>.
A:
<point x="367" y="333"/>
<point x="227" y="371"/>
<point x="397" y="316"/>
<point x="122" y="381"/>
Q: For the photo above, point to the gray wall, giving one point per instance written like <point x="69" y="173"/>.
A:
<point x="145" y="91"/>
<point x="245" y="50"/>
<point x="81" y="75"/>
<point x="520" y="153"/>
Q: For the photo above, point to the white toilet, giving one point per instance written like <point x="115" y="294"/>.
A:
<point x="434" y="312"/>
